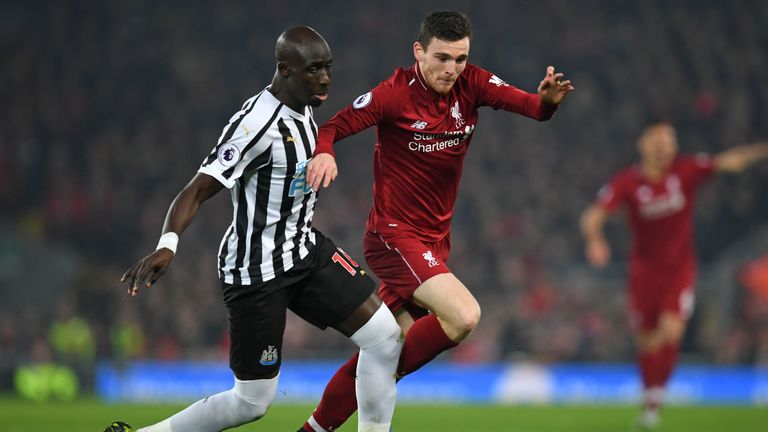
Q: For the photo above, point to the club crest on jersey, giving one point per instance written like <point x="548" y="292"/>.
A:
<point x="362" y="101"/>
<point x="269" y="356"/>
<point x="498" y="82"/>
<point x="228" y="155"/>
<point x="431" y="260"/>
<point x="419" y="124"/>
<point x="457" y="115"/>
<point x="299" y="183"/>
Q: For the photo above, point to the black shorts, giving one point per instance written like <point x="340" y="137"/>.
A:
<point x="323" y="289"/>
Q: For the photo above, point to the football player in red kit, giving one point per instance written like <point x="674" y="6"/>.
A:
<point x="425" y="117"/>
<point x="659" y="194"/>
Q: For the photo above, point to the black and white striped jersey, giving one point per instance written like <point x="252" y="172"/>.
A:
<point x="262" y="157"/>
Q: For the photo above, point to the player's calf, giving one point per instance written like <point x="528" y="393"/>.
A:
<point x="380" y="341"/>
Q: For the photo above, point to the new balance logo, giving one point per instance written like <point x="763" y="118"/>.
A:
<point x="269" y="356"/>
<point x="419" y="124"/>
<point x="431" y="260"/>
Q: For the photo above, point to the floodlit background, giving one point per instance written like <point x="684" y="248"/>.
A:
<point x="109" y="107"/>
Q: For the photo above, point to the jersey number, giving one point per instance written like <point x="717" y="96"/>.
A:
<point x="349" y="264"/>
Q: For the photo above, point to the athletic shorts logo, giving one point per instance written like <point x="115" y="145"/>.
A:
<point x="269" y="356"/>
<point x="431" y="260"/>
<point x="362" y="101"/>
<point x="229" y="155"/>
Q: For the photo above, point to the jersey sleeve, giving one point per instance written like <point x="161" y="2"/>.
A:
<point x="367" y="110"/>
<point x="612" y="195"/>
<point x="244" y="147"/>
<point x="698" y="168"/>
<point x="494" y="92"/>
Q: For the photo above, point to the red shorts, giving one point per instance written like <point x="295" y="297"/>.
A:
<point x="402" y="262"/>
<point x="652" y="292"/>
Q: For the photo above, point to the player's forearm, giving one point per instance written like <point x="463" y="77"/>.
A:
<point x="184" y="208"/>
<point x="592" y="221"/>
<point x="740" y="158"/>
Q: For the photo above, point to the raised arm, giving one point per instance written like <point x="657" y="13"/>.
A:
<point x="496" y="93"/>
<point x="597" y="251"/>
<point x="180" y="214"/>
<point x="737" y="159"/>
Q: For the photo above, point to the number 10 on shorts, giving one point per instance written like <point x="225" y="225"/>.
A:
<point x="349" y="264"/>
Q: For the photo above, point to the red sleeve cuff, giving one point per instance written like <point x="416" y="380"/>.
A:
<point x="325" y="139"/>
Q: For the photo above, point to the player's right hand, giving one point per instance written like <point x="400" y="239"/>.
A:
<point x="147" y="271"/>
<point x="321" y="171"/>
<point x="598" y="253"/>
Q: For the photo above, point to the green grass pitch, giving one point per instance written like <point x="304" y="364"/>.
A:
<point x="91" y="415"/>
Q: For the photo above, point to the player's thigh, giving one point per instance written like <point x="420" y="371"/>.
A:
<point x="338" y="294"/>
<point x="447" y="297"/>
<point x="402" y="263"/>
<point x="256" y="326"/>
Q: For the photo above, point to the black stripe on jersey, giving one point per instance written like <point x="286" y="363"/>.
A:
<point x="303" y="213"/>
<point x="231" y="130"/>
<point x="304" y="140"/>
<point x="314" y="127"/>
<point x="241" y="226"/>
<point x="228" y="173"/>
<point x="259" y="222"/>
<point x="286" y="203"/>
<point x="225" y="250"/>
<point x="263" y="179"/>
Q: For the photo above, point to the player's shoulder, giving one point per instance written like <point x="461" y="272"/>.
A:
<point x="627" y="176"/>
<point x="400" y="78"/>
<point x="476" y="74"/>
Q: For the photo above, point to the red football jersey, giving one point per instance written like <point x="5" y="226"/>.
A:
<point x="660" y="213"/>
<point x="422" y="138"/>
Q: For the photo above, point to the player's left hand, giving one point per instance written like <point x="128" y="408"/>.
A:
<point x="552" y="88"/>
<point x="147" y="271"/>
<point x="321" y="171"/>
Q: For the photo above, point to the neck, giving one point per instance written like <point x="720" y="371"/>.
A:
<point x="281" y="94"/>
<point x="652" y="172"/>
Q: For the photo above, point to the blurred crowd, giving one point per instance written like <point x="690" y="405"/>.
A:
<point x="111" y="106"/>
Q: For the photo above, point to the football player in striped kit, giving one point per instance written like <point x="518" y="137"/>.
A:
<point x="271" y="259"/>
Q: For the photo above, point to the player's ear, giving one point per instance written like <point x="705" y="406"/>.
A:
<point x="283" y="69"/>
<point x="418" y="51"/>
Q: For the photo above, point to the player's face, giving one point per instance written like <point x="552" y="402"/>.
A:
<point x="658" y="146"/>
<point x="312" y="76"/>
<point x="441" y="62"/>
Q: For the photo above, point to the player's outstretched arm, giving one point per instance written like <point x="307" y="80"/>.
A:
<point x="552" y="89"/>
<point x="596" y="249"/>
<point x="739" y="158"/>
<point x="181" y="213"/>
<point x="321" y="170"/>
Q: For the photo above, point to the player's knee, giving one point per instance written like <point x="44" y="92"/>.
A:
<point x="466" y="320"/>
<point x="253" y="398"/>
<point x="248" y="412"/>
<point x="380" y="333"/>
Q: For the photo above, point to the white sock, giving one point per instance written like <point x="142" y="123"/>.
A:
<point x="380" y="341"/>
<point x="247" y="401"/>
<point x="653" y="398"/>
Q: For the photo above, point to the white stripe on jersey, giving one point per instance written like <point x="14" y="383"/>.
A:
<point x="261" y="156"/>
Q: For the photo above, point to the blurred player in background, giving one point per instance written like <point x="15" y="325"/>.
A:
<point x="271" y="259"/>
<point x="425" y="116"/>
<point x="659" y="195"/>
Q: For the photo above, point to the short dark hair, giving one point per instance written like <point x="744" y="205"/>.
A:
<point x="444" y="25"/>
